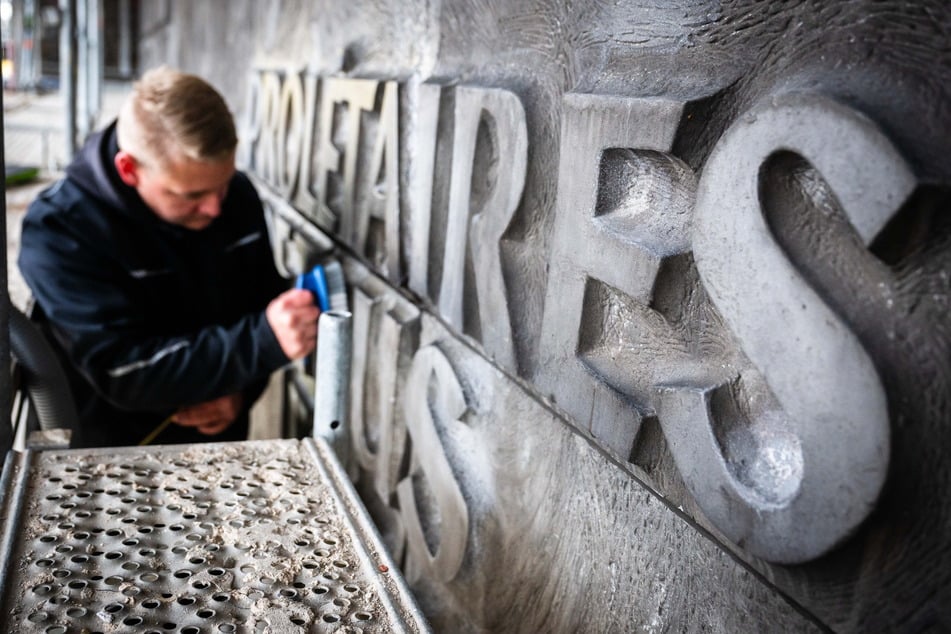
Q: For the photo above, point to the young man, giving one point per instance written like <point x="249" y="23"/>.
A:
<point x="152" y="270"/>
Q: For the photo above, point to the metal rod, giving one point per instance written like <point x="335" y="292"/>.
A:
<point x="18" y="36"/>
<point x="155" y="432"/>
<point x="11" y="507"/>
<point x="6" y="424"/>
<point x="332" y="370"/>
<point x="83" y="70"/>
<point x="96" y="59"/>
<point x="319" y="241"/>
<point x="67" y="72"/>
<point x="125" y="39"/>
<point x="36" y="56"/>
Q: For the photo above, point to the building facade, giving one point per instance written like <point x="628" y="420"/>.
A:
<point x="650" y="299"/>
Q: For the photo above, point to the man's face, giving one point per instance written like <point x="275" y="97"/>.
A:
<point x="185" y="192"/>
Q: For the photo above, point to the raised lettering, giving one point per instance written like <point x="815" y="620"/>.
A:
<point x="385" y="336"/>
<point x="354" y="97"/>
<point x="607" y="252"/>
<point x="381" y="196"/>
<point x="421" y="141"/>
<point x="814" y="462"/>
<point x="499" y="115"/>
<point x="434" y="398"/>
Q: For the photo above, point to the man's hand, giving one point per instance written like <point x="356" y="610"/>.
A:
<point x="211" y="417"/>
<point x="292" y="316"/>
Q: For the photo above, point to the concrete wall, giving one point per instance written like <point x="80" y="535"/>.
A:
<point x="650" y="298"/>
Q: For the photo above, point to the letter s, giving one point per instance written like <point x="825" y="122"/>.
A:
<point x="434" y="399"/>
<point x="827" y="458"/>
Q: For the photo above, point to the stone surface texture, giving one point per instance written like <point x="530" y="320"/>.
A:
<point x="650" y="298"/>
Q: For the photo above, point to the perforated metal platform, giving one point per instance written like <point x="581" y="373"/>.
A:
<point x="256" y="537"/>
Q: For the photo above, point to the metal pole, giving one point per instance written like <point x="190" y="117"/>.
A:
<point x="17" y="35"/>
<point x="81" y="33"/>
<point x="25" y="77"/>
<point x="6" y="426"/>
<point x="67" y="72"/>
<point x="36" y="72"/>
<point x="332" y="370"/>
<point x="125" y="39"/>
<point x="96" y="60"/>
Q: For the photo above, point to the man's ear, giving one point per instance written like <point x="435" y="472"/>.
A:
<point x="128" y="168"/>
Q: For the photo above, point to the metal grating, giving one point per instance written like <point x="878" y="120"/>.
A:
<point x="256" y="537"/>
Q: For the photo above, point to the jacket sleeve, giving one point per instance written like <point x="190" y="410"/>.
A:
<point x="110" y="340"/>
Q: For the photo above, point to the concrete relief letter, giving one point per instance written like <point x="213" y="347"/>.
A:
<point x="278" y="133"/>
<point x="805" y="471"/>
<point x="434" y="510"/>
<point x="622" y="219"/>
<point x="337" y="150"/>
<point x="490" y="149"/>
<point x="385" y="335"/>
<point x="290" y="134"/>
<point x="250" y="123"/>
<point x="303" y="198"/>
<point x="261" y="145"/>
<point x="420" y="140"/>
<point x="379" y="197"/>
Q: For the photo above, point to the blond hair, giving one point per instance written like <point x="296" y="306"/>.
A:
<point x="172" y="115"/>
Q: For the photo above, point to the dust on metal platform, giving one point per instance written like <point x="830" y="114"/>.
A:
<point x="255" y="536"/>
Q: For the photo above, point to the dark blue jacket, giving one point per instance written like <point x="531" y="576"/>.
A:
<point x="149" y="316"/>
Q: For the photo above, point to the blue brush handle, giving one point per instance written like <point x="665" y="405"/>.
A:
<point x="315" y="281"/>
